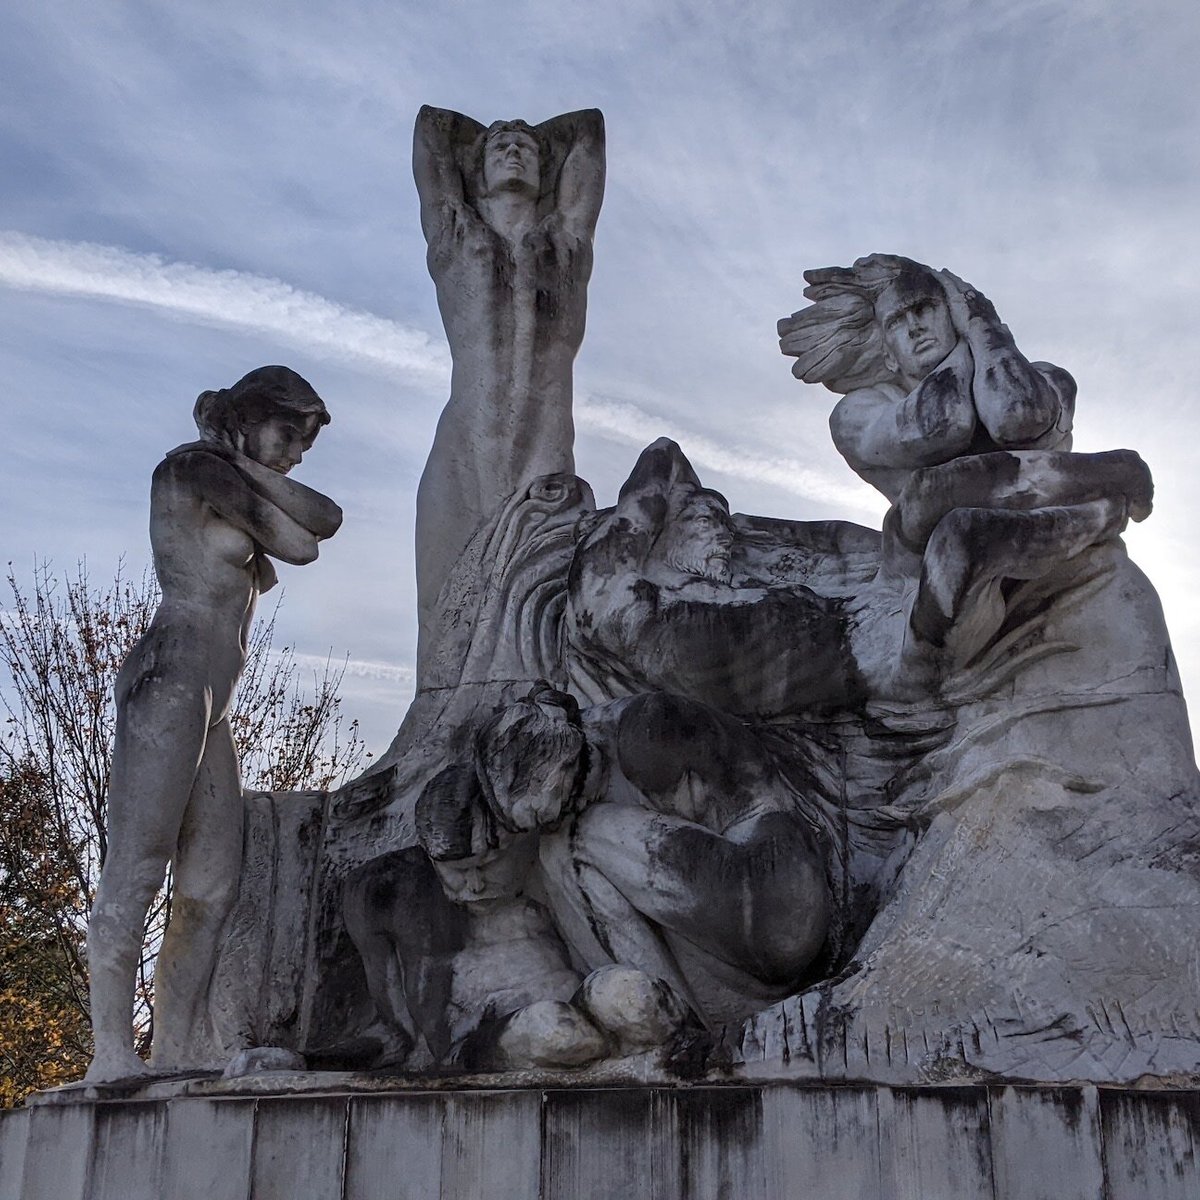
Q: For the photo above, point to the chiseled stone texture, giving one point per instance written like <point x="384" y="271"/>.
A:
<point x="753" y="1143"/>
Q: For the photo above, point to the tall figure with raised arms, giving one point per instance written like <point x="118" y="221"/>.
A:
<point x="509" y="212"/>
<point x="218" y="508"/>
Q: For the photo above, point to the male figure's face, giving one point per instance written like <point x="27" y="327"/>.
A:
<point x="493" y="875"/>
<point x="510" y="162"/>
<point x="278" y="442"/>
<point x="918" y="331"/>
<point x="699" y="539"/>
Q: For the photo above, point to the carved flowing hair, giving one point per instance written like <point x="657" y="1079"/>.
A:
<point x="264" y="393"/>
<point x="836" y="340"/>
<point x="452" y="817"/>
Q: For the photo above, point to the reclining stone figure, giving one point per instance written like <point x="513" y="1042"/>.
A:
<point x="704" y="778"/>
<point x="870" y="696"/>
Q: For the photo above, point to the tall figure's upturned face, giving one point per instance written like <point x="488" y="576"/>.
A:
<point x="699" y="539"/>
<point x="510" y="162"/>
<point x="279" y="443"/>
<point x="918" y="331"/>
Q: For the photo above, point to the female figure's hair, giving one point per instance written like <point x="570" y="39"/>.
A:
<point x="264" y="393"/>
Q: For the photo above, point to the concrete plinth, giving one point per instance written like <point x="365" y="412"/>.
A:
<point x="214" y="1141"/>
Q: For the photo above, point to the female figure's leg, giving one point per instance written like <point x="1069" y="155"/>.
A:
<point x="160" y="738"/>
<point x="207" y="864"/>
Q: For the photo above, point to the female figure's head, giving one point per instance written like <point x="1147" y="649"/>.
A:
<point x="271" y="415"/>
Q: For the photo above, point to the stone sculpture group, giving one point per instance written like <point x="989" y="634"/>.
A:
<point x="729" y="792"/>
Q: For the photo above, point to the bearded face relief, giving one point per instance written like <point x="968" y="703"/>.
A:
<point x="699" y="539"/>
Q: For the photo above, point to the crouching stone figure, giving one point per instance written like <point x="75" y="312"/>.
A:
<point x="463" y="961"/>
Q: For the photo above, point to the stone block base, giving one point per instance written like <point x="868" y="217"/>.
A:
<point x="772" y="1142"/>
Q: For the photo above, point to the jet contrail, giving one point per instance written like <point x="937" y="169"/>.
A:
<point x="323" y="328"/>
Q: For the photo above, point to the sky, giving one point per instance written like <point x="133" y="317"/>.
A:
<point x="190" y="191"/>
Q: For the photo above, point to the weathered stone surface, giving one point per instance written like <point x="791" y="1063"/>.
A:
<point x="696" y="792"/>
<point x="917" y="761"/>
<point x="14" y="1137"/>
<point x="395" y="1149"/>
<point x="555" y="1143"/>
<point x="928" y="370"/>
<point x="299" y="1148"/>
<point x="208" y="1150"/>
<point x="58" y="1146"/>
<point x="258" y="988"/>
<point x="1151" y="1146"/>
<point x="127" y="1156"/>
<point x="1046" y="1143"/>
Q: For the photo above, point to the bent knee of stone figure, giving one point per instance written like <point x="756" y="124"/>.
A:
<point x="199" y="916"/>
<point x="635" y="1011"/>
<point x="790" y="911"/>
<point x="548" y="1033"/>
<point x="1133" y="479"/>
<point x="973" y="481"/>
<point x="206" y="881"/>
<point x="764" y="902"/>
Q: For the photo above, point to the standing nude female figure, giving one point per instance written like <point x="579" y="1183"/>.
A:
<point x="218" y="507"/>
<point x="508" y="212"/>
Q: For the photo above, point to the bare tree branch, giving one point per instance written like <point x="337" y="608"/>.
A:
<point x="61" y="647"/>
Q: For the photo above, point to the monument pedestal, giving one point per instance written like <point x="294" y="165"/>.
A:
<point x="342" y="1137"/>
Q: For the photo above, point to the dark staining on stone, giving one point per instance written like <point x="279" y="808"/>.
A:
<point x="395" y="905"/>
<point x="729" y="1119"/>
<point x="939" y="391"/>
<point x="694" y="1052"/>
<point x="645" y="592"/>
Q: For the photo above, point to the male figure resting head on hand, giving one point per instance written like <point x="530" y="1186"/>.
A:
<point x="928" y="371"/>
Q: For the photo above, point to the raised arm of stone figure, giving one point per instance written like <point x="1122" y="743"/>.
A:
<point x="883" y="429"/>
<point x="1022" y="405"/>
<point x="284" y="518"/>
<point x="508" y="211"/>
<point x="927" y="371"/>
<point x="581" y="181"/>
<point x="439" y="136"/>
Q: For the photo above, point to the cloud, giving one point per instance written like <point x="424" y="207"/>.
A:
<point x="324" y="328"/>
<point x="354" y="668"/>
<point x="628" y="423"/>
<point x="229" y="298"/>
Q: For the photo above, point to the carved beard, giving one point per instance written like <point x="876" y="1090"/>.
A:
<point x="697" y="558"/>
